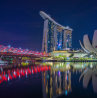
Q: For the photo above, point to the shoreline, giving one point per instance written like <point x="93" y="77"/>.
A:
<point x="66" y="61"/>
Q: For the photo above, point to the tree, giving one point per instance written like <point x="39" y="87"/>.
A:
<point x="71" y="55"/>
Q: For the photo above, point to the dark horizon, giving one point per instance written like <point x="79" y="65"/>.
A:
<point x="22" y="26"/>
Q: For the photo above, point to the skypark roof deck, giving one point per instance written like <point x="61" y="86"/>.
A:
<point x="45" y="16"/>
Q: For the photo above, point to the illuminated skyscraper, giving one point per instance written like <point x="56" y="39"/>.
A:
<point x="67" y="39"/>
<point x="55" y="36"/>
<point x="58" y="38"/>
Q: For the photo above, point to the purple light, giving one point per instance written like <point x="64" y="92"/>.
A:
<point x="59" y="73"/>
<point x="59" y="44"/>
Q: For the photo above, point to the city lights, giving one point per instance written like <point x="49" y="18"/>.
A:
<point x="18" y="51"/>
<point x="22" y="72"/>
<point x="55" y="35"/>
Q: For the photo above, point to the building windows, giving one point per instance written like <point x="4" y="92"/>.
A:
<point x="50" y="36"/>
<point x="56" y="37"/>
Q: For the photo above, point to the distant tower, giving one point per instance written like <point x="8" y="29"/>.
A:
<point x="55" y="36"/>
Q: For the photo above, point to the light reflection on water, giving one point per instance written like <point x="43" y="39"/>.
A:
<point x="51" y="79"/>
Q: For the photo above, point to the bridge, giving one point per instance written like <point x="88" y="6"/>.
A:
<point x="7" y="51"/>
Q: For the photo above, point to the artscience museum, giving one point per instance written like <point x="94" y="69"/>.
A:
<point x="89" y="46"/>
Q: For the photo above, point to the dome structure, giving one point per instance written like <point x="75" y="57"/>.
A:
<point x="89" y="46"/>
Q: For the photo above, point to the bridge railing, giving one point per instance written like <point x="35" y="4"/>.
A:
<point x="18" y="51"/>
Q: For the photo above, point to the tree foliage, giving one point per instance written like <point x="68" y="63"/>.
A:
<point x="71" y="55"/>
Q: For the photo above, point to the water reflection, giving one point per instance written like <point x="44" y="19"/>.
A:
<point x="55" y="83"/>
<point x="87" y="75"/>
<point x="58" y="78"/>
<point x="18" y="72"/>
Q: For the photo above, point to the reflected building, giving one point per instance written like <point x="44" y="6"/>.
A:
<point x="44" y="84"/>
<point x="87" y="75"/>
<point x="55" y="83"/>
<point x="67" y="82"/>
<point x="55" y="36"/>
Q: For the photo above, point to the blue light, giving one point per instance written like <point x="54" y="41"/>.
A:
<point x="67" y="26"/>
<point x="8" y="45"/>
<point x="68" y="58"/>
<point x="66" y="92"/>
<point x="47" y="76"/>
<point x="59" y="46"/>
<point x="59" y="73"/>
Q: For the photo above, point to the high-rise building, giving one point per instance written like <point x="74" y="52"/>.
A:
<point x="68" y="38"/>
<point x="55" y="36"/>
<point x="58" y="38"/>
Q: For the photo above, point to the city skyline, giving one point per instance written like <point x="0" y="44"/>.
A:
<point x="22" y="26"/>
<point x="48" y="48"/>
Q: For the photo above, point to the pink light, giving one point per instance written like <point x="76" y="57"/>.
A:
<point x="66" y="77"/>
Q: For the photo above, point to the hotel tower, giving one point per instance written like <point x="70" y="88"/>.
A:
<point x="55" y="36"/>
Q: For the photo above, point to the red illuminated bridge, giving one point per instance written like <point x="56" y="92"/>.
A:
<point x="7" y="50"/>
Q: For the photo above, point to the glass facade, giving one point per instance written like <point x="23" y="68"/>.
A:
<point x="45" y="43"/>
<point x="50" y="36"/>
<point x="68" y="39"/>
<point x="55" y="37"/>
<point x="59" y="38"/>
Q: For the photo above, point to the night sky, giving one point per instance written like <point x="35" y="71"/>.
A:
<point x="22" y="26"/>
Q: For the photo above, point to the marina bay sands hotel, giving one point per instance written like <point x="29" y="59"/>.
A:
<point x="55" y="36"/>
